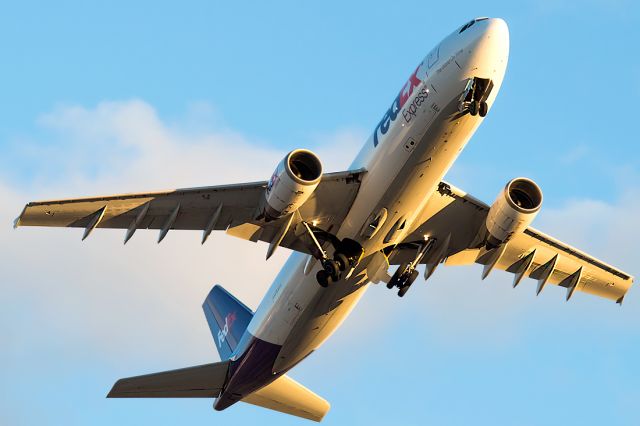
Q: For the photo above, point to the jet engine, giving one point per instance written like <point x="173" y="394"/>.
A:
<point x="292" y="183"/>
<point x="514" y="209"/>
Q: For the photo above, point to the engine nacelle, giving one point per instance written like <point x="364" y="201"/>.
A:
<point x="514" y="209"/>
<point x="293" y="182"/>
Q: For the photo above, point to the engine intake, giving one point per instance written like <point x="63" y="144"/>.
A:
<point x="514" y="209"/>
<point x="295" y="179"/>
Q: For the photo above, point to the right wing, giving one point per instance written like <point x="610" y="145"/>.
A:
<point x="231" y="208"/>
<point x="456" y="220"/>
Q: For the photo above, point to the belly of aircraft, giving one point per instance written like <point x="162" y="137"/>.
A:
<point x="406" y="196"/>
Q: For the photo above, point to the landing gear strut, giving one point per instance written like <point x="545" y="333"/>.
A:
<point x="346" y="256"/>
<point x="407" y="273"/>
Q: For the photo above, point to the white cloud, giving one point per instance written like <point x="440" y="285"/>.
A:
<point x="140" y="301"/>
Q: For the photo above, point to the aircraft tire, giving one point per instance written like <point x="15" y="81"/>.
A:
<point x="403" y="290"/>
<point x="473" y="108"/>
<point x="412" y="277"/>
<point x="484" y="108"/>
<point x="323" y="278"/>
<point x="332" y="269"/>
<point x="342" y="260"/>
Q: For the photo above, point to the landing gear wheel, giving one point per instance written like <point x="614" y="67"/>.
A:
<point x="342" y="260"/>
<point x="397" y="280"/>
<point x="323" y="278"/>
<point x="484" y="108"/>
<point x="474" y="107"/>
<point x="409" y="280"/>
<point x="332" y="269"/>
<point x="403" y="290"/>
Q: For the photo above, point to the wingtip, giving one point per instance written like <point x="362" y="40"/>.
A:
<point x="114" y="392"/>
<point x="17" y="220"/>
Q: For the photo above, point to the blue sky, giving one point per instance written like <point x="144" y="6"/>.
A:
<point x="121" y="97"/>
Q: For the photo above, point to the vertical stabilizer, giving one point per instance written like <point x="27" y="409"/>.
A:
<point x="228" y="319"/>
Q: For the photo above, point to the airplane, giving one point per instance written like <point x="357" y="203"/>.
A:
<point x="349" y="229"/>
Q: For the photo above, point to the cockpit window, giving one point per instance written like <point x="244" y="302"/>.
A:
<point x="470" y="23"/>
<point x="465" y="26"/>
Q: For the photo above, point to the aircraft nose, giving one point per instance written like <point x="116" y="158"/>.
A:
<point x="491" y="47"/>
<point x="498" y="31"/>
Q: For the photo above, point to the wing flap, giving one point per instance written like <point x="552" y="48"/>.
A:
<point x="203" y="381"/>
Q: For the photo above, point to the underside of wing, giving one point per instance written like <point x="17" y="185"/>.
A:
<point x="456" y="222"/>
<point x="193" y="208"/>
<point x="232" y="208"/>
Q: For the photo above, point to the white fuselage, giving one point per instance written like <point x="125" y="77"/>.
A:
<point x="414" y="145"/>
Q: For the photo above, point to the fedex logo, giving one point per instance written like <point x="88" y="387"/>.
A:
<point x="228" y="322"/>
<point x="407" y="90"/>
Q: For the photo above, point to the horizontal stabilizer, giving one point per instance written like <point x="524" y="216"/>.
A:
<point x="290" y="397"/>
<point x="203" y="381"/>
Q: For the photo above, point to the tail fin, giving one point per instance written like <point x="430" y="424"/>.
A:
<point x="228" y="319"/>
<point x="290" y="397"/>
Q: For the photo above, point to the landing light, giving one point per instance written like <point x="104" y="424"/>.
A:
<point x="314" y="222"/>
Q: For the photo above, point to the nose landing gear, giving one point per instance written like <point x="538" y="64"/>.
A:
<point x="474" y="97"/>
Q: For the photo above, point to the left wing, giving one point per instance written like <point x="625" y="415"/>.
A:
<point x="231" y="208"/>
<point x="456" y="220"/>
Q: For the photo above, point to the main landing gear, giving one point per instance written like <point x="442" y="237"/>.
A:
<point x="474" y="97"/>
<point x="407" y="272"/>
<point x="346" y="256"/>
